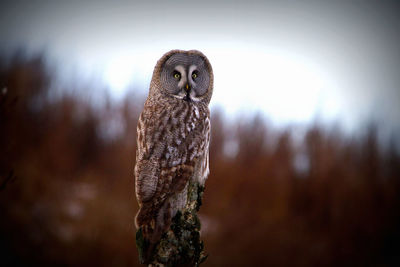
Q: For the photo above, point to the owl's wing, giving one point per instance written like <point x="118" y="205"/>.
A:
<point x="153" y="189"/>
<point x="155" y="184"/>
<point x="146" y="180"/>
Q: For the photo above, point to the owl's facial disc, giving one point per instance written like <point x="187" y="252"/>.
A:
<point x="185" y="77"/>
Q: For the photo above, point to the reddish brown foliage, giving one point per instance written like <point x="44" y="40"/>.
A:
<point x="67" y="191"/>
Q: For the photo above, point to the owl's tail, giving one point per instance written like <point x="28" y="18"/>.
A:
<point x="151" y="222"/>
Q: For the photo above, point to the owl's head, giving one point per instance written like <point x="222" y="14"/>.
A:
<point x="185" y="75"/>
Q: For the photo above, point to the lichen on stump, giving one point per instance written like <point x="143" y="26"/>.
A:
<point x="181" y="244"/>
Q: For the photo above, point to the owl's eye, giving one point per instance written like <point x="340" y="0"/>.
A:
<point x="177" y="75"/>
<point x="194" y="75"/>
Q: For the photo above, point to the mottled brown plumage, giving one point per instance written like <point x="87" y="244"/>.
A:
<point x="173" y="136"/>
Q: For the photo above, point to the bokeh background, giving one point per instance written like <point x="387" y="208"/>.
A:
<point x="305" y="162"/>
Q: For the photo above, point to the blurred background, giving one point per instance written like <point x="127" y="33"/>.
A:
<point x="305" y="162"/>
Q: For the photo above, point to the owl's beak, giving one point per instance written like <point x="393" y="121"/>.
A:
<point x="187" y="88"/>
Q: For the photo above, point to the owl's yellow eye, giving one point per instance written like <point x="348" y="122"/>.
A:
<point x="177" y="75"/>
<point x="194" y="75"/>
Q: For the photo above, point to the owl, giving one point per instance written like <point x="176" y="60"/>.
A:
<point x="173" y="137"/>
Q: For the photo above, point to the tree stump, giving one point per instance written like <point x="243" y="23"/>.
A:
<point x="181" y="244"/>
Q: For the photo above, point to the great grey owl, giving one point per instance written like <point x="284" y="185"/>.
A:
<point x="173" y="137"/>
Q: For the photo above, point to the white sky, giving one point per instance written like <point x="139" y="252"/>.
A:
<point x="293" y="60"/>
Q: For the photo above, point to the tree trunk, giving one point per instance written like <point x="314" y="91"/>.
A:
<point x="181" y="244"/>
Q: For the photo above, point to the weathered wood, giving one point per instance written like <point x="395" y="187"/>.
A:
<point x="181" y="244"/>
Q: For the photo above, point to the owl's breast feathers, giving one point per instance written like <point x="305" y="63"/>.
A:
<point x="172" y="148"/>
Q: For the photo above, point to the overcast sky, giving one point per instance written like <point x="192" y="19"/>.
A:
<point x="293" y="60"/>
